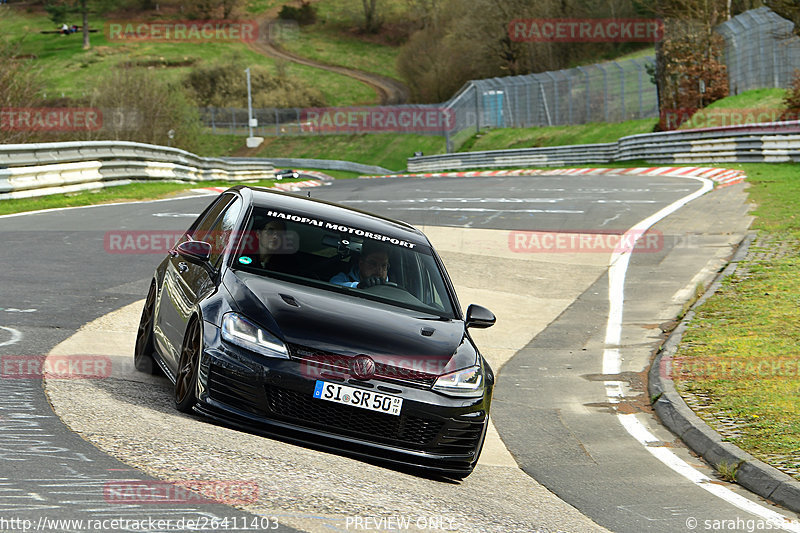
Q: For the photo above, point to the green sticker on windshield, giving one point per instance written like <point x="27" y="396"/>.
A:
<point x="245" y="260"/>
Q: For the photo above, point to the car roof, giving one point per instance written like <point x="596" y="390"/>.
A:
<point x="317" y="209"/>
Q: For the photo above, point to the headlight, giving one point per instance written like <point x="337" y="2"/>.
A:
<point x="237" y="330"/>
<point x="468" y="382"/>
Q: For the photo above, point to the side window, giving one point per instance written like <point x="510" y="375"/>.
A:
<point x="200" y="230"/>
<point x="222" y="232"/>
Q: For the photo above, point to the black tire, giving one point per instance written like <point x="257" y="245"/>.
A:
<point x="143" y="359"/>
<point x="186" y="379"/>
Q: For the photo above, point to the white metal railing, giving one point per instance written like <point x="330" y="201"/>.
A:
<point x="49" y="168"/>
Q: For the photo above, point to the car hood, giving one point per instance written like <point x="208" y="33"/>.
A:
<point x="322" y="324"/>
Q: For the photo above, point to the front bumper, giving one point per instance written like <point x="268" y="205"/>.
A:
<point x="275" y="396"/>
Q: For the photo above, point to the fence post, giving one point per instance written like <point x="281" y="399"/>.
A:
<point x="586" y="94"/>
<point x="528" y="121"/>
<point x="555" y="98"/>
<point x="477" y="109"/>
<point x="605" y="92"/>
<point x="622" y="91"/>
<point x="639" y="70"/>
<point x="569" y="97"/>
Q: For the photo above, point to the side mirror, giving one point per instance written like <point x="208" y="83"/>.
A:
<point x="197" y="252"/>
<point x="479" y="317"/>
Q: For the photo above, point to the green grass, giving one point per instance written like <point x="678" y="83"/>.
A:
<point x="333" y="39"/>
<point x="749" y="107"/>
<point x="741" y="350"/>
<point x="135" y="191"/>
<point x="776" y="191"/>
<point x="68" y="70"/>
<point x="327" y="45"/>
<point x="509" y="138"/>
<point x="256" y="7"/>
<point x="386" y="150"/>
<point x="211" y="145"/>
<point x="753" y="99"/>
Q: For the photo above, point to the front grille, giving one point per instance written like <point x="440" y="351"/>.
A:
<point x="321" y="361"/>
<point x="404" y="430"/>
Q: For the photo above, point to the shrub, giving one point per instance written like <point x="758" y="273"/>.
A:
<point x="225" y="85"/>
<point x="792" y="99"/>
<point x="19" y="87"/>
<point x="304" y="15"/>
<point x="138" y="105"/>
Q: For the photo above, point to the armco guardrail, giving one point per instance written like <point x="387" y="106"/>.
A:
<point x="28" y="170"/>
<point x="320" y="164"/>
<point x="770" y="142"/>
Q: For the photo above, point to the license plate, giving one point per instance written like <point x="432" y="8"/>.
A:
<point x="365" y="399"/>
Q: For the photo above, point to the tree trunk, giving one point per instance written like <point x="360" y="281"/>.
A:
<point x="85" y="12"/>
<point x="370" y="17"/>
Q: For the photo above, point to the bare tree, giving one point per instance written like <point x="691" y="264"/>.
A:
<point x="788" y="9"/>
<point x="19" y="87"/>
<point x="372" y="19"/>
<point x="60" y="10"/>
<point x="138" y="105"/>
<point x="690" y="73"/>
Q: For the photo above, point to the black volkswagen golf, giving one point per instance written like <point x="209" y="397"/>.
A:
<point x="322" y="324"/>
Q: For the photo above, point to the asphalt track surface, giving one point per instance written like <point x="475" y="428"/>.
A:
<point x="549" y="405"/>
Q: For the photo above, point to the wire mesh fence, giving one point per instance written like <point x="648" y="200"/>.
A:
<point x="606" y="92"/>
<point x="760" y="50"/>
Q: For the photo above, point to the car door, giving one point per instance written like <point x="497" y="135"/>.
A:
<point x="186" y="283"/>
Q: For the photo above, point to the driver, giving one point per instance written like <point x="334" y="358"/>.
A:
<point x="372" y="268"/>
<point x="276" y="247"/>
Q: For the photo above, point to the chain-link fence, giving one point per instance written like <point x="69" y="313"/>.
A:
<point x="421" y="119"/>
<point x="760" y="50"/>
<point x="604" y="92"/>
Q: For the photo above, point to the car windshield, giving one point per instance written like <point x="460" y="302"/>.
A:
<point x="340" y="258"/>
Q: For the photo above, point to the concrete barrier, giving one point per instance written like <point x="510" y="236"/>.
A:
<point x="773" y="142"/>
<point x="28" y="170"/>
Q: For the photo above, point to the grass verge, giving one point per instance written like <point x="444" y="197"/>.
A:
<point x="386" y="150"/>
<point x="132" y="192"/>
<point x="511" y="138"/>
<point x="334" y="39"/>
<point x="738" y="365"/>
<point x="65" y="67"/>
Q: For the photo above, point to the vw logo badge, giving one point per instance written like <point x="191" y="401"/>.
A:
<point x="362" y="367"/>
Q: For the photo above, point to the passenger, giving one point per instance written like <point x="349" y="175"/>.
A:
<point x="276" y="248"/>
<point x="372" y="269"/>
